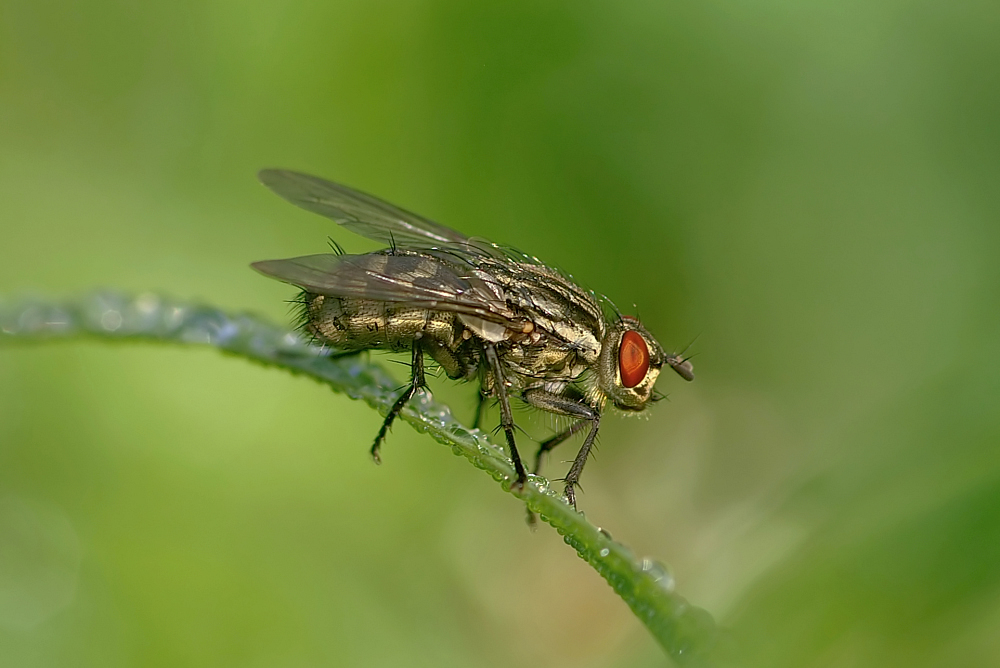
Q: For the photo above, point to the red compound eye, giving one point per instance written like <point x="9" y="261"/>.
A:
<point x="633" y="358"/>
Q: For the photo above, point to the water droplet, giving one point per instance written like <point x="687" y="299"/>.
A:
<point x="30" y="319"/>
<point x="605" y="552"/>
<point x="147" y="302"/>
<point x="111" y="320"/>
<point x="174" y="316"/>
<point x="659" y="572"/>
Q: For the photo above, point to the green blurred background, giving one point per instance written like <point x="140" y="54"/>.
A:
<point x="810" y="187"/>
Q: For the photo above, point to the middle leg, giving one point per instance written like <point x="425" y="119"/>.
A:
<point x="506" y="417"/>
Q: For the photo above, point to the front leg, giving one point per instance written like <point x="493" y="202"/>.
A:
<point x="562" y="405"/>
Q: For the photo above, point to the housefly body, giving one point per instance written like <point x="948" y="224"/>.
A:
<point x="481" y="311"/>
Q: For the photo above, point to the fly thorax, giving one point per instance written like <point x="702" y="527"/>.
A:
<point x="585" y="346"/>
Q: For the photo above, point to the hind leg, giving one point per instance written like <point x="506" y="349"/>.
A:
<point x="416" y="382"/>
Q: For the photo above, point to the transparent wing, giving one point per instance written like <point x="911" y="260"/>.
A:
<point x="359" y="212"/>
<point x="410" y="279"/>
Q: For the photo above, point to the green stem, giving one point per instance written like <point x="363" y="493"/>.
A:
<point x="686" y="633"/>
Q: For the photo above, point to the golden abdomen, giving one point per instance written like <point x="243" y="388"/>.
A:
<point x="357" y="324"/>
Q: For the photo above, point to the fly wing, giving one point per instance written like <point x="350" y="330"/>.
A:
<point x="410" y="279"/>
<point x="359" y="212"/>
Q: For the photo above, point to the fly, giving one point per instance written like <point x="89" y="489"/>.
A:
<point x="481" y="311"/>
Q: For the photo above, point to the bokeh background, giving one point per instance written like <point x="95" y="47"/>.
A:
<point x="810" y="189"/>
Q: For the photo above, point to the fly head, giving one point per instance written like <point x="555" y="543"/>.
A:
<point x="630" y="363"/>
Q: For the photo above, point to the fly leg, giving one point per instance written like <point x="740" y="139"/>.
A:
<point x="506" y="417"/>
<point x="573" y="477"/>
<point x="478" y="421"/>
<point x="556" y="403"/>
<point x="548" y="445"/>
<point x="416" y="382"/>
<point x="552" y="442"/>
<point x="340" y="354"/>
